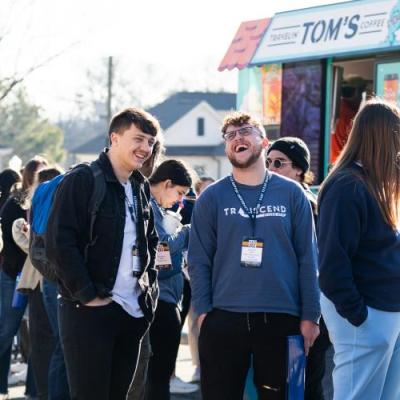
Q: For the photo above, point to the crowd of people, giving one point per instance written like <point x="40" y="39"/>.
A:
<point x="133" y="245"/>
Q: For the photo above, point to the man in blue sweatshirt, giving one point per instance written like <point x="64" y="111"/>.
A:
<point x="252" y="264"/>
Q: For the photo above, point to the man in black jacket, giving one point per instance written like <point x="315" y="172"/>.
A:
<point x="106" y="303"/>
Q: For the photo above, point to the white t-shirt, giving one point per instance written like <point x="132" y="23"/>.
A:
<point x="126" y="288"/>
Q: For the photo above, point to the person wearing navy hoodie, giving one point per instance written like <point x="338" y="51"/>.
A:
<point x="359" y="257"/>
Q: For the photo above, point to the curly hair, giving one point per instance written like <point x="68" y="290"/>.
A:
<point x="240" y="118"/>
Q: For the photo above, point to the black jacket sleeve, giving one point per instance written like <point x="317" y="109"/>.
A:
<point x="13" y="257"/>
<point x="67" y="233"/>
<point x="152" y="238"/>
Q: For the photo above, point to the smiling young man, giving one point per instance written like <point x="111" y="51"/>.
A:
<point x="252" y="264"/>
<point x="105" y="287"/>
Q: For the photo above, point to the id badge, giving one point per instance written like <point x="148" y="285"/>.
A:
<point x="135" y="259"/>
<point x="252" y="251"/>
<point x="163" y="257"/>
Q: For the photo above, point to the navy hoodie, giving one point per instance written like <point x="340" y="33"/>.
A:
<point x="359" y="253"/>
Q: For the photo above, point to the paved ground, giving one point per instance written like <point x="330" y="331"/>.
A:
<point x="184" y="370"/>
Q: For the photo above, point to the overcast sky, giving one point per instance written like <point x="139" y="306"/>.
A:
<point x="184" y="39"/>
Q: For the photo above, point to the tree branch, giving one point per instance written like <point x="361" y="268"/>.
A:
<point x="8" y="84"/>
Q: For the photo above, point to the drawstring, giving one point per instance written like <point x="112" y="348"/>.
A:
<point x="248" y="320"/>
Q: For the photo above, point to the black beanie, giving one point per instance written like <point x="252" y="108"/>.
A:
<point x="295" y="149"/>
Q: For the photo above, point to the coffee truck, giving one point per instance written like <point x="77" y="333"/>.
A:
<point x="306" y="72"/>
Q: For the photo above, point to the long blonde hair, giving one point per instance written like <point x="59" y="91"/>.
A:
<point x="374" y="142"/>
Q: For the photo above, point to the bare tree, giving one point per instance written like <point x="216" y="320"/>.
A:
<point x="17" y="14"/>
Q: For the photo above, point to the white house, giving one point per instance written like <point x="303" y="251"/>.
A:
<point x="191" y="122"/>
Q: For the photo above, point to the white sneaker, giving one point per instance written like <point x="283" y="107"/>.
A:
<point x="17" y="367"/>
<point x="178" y="386"/>
<point x="196" y="375"/>
<point x="18" y="377"/>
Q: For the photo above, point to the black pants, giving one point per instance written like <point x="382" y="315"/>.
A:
<point x="226" y="342"/>
<point x="41" y="342"/>
<point x="165" y="333"/>
<point x="316" y="365"/>
<point x="186" y="299"/>
<point x="137" y="390"/>
<point x="100" y="348"/>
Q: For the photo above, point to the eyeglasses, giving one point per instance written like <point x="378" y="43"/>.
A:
<point x="277" y="164"/>
<point x="242" y="132"/>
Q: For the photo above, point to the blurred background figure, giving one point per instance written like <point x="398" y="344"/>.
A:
<point x="351" y="97"/>
<point x="290" y="157"/>
<point x="13" y="259"/>
<point x="193" y="328"/>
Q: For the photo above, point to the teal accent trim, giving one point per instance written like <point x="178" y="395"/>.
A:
<point x="328" y="113"/>
<point x="302" y="56"/>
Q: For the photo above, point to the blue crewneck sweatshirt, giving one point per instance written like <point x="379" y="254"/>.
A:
<point x="359" y="254"/>
<point x="286" y="282"/>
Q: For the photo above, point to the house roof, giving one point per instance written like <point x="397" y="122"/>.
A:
<point x="179" y="104"/>
<point x="171" y="110"/>
<point x="218" y="150"/>
<point x="244" y="44"/>
<point x="93" y="146"/>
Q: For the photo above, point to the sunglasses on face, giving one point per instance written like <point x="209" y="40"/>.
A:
<point x="242" y="132"/>
<point x="277" y="164"/>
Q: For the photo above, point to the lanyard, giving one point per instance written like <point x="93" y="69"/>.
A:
<point x="252" y="214"/>
<point x="132" y="208"/>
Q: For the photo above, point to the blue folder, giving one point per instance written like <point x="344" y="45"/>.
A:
<point x="296" y="365"/>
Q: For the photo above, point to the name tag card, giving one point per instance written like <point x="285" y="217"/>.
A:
<point x="135" y="259"/>
<point x="252" y="251"/>
<point x="163" y="257"/>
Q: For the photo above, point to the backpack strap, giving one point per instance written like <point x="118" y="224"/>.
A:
<point x="97" y="197"/>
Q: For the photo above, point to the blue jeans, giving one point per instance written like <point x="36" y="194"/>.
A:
<point x="10" y="320"/>
<point x="367" y="357"/>
<point x="58" y="382"/>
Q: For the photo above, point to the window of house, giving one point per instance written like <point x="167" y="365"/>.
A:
<point x="200" y="126"/>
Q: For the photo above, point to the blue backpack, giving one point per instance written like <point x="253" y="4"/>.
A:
<point x="41" y="208"/>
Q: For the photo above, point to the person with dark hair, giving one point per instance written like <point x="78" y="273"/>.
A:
<point x="253" y="270"/>
<point x="168" y="185"/>
<point x="8" y="178"/>
<point x="290" y="157"/>
<point x="30" y="283"/>
<point x="106" y="281"/>
<point x="13" y="260"/>
<point x="359" y="256"/>
<point x="149" y="165"/>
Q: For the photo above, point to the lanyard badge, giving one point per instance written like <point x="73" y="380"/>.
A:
<point x="135" y="260"/>
<point x="252" y="247"/>
<point x="163" y="257"/>
<point x="252" y="251"/>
